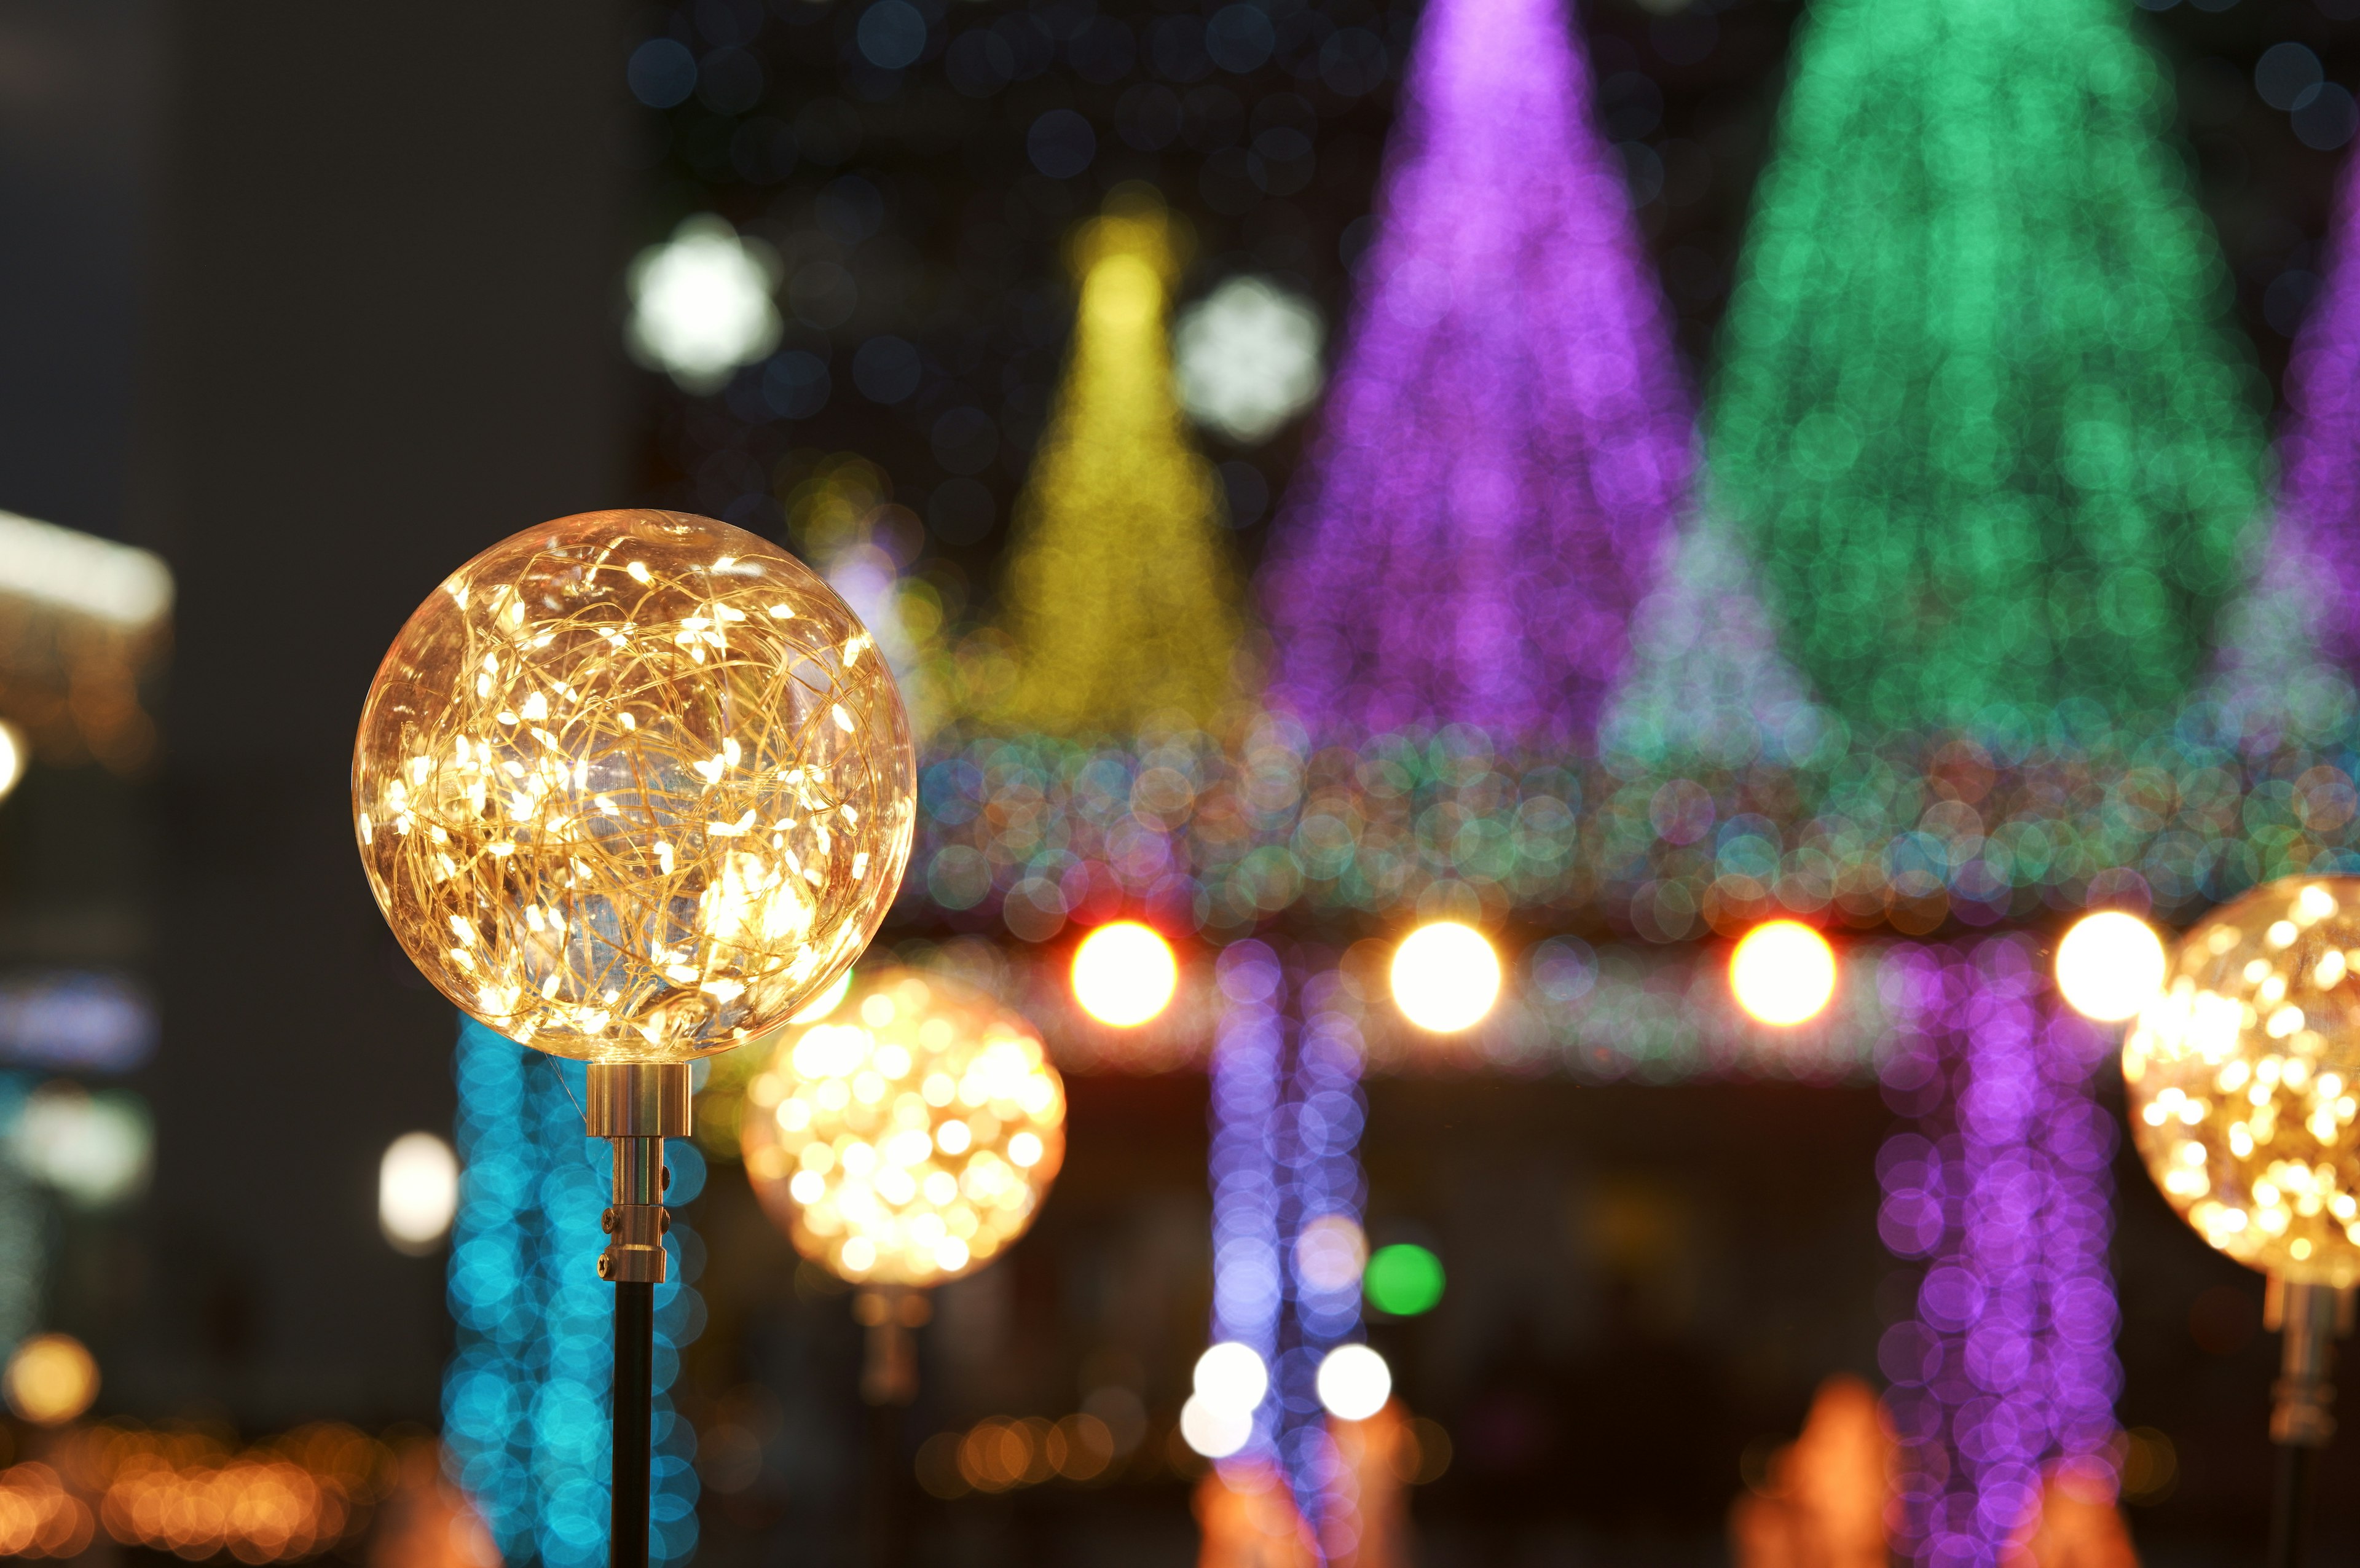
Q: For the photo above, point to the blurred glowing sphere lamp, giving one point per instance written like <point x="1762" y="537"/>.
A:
<point x="701" y="303"/>
<point x="633" y="788"/>
<point x="1124" y="974"/>
<point x="417" y="1191"/>
<point x="1354" y="1382"/>
<point x="1782" y="973"/>
<point x="1246" y="358"/>
<point x="1445" y="977"/>
<point x="50" y="1379"/>
<point x="2241" y="1077"/>
<point x="1404" y="1280"/>
<point x="904" y="1140"/>
<point x="2110" y="965"/>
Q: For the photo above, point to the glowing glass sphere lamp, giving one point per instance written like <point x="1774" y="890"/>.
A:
<point x="1782" y="973"/>
<point x="905" y="1140"/>
<point x="2110" y="965"/>
<point x="1445" y="977"/>
<point x="1124" y="974"/>
<point x="633" y="788"/>
<point x="2241" y="1075"/>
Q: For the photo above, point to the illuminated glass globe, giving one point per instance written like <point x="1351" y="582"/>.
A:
<point x="633" y="785"/>
<point x="909" y="1137"/>
<point x="2242" y="1077"/>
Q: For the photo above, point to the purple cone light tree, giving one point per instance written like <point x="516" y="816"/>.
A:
<point x="1507" y="440"/>
<point x="2318" y="543"/>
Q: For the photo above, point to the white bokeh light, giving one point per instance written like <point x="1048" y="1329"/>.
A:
<point x="1247" y="358"/>
<point x="93" y="1148"/>
<point x="417" y="1191"/>
<point x="1124" y="974"/>
<point x="1445" y="977"/>
<point x="1783" y="973"/>
<point x="15" y="753"/>
<point x="701" y="303"/>
<point x="1354" y="1382"/>
<point x="2109" y="965"/>
<point x="1231" y="1376"/>
<point x="1212" y="1431"/>
<point x="1331" y="1253"/>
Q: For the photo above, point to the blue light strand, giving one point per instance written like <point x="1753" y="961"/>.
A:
<point x="1249" y="1263"/>
<point x="525" y="1397"/>
<point x="1286" y="1112"/>
<point x="1324" y="1115"/>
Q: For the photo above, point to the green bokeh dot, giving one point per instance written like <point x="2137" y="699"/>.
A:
<point x="1404" y="1279"/>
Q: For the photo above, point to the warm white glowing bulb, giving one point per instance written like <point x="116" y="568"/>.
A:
<point x="1783" y="973"/>
<point x="417" y="1191"/>
<point x="2109" y="965"/>
<point x="13" y="754"/>
<point x="1445" y="977"/>
<point x="1354" y="1382"/>
<point x="1212" y="1431"/>
<point x="1231" y="1376"/>
<point x="1124" y="974"/>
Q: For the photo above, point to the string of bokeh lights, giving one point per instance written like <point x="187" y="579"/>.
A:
<point x="524" y="1397"/>
<point x="1505" y="441"/>
<point x="2023" y="815"/>
<point x="1289" y="1246"/>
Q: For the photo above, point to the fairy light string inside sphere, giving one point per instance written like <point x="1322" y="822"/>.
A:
<point x="634" y="786"/>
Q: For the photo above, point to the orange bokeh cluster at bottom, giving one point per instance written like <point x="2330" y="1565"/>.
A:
<point x="1828" y="1497"/>
<point x="1248" y="1518"/>
<point x="38" y="1518"/>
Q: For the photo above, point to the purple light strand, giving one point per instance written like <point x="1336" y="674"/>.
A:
<point x="1506" y="440"/>
<point x="2319" y="513"/>
<point x="1287" y="1113"/>
<point x="2003" y="1189"/>
<point x="1326" y="1112"/>
<point x="1248" y="1076"/>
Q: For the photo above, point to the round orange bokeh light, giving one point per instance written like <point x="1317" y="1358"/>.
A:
<point x="1124" y="974"/>
<point x="1783" y="973"/>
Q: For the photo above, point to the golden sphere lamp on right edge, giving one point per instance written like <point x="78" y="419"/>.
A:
<point x="2243" y="1079"/>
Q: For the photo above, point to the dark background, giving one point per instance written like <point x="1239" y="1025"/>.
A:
<point x="318" y="301"/>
